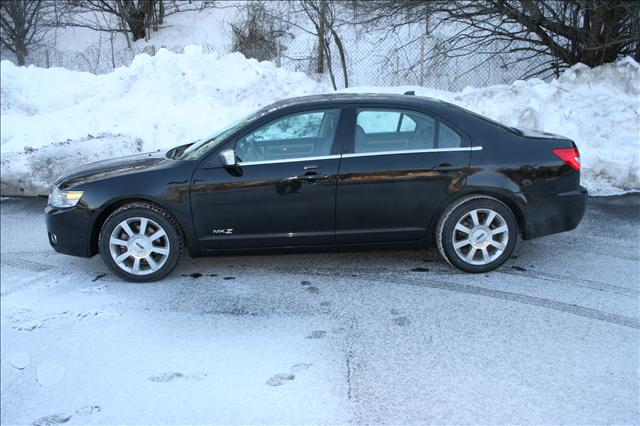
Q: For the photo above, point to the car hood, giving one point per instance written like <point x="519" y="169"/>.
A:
<point x="106" y="168"/>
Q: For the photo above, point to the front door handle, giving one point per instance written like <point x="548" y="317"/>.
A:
<point x="313" y="177"/>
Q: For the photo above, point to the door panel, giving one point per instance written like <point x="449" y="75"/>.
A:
<point x="282" y="191"/>
<point x="277" y="204"/>
<point x="389" y="185"/>
<point x="392" y="197"/>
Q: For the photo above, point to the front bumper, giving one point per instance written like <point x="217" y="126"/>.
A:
<point x="553" y="213"/>
<point x="69" y="230"/>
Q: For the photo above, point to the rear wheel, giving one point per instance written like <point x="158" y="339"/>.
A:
<point x="476" y="234"/>
<point x="140" y="242"/>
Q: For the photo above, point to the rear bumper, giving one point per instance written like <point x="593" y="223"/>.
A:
<point x="69" y="230"/>
<point x="553" y="213"/>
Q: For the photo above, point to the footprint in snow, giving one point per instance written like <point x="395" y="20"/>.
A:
<point x="300" y="367"/>
<point x="94" y="289"/>
<point x="317" y="334"/>
<point x="52" y="419"/>
<point x="401" y="321"/>
<point x="280" y="379"/>
<point x="310" y="288"/>
<point x="49" y="374"/>
<point x="19" y="360"/>
<point x="88" y="410"/>
<point x="325" y="307"/>
<point x="172" y="375"/>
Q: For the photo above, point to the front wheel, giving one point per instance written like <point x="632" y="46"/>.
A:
<point x="476" y="234"/>
<point x="140" y="242"/>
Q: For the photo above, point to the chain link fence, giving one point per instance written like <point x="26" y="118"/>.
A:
<point x="382" y="65"/>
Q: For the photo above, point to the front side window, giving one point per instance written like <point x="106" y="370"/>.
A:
<point x="386" y="130"/>
<point x="300" y="135"/>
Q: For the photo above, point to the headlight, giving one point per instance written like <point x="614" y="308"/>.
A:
<point x="62" y="199"/>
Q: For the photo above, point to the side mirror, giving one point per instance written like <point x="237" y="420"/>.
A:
<point x="228" y="158"/>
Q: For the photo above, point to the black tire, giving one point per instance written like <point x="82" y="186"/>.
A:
<point x="460" y="210"/>
<point x="154" y="214"/>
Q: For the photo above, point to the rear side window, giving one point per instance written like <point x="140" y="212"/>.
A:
<point x="386" y="130"/>
<point x="382" y="121"/>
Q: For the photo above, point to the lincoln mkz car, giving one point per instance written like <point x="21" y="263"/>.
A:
<point x="333" y="171"/>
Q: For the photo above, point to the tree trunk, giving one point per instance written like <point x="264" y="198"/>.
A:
<point x="137" y="27"/>
<point x="329" y="65"/>
<point x="343" y="60"/>
<point x="21" y="53"/>
<point x="321" y="37"/>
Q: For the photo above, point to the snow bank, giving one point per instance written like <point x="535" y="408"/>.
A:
<point x="158" y="102"/>
<point x="50" y="116"/>
<point x="598" y="108"/>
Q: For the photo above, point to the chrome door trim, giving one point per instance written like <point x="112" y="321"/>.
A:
<point x="360" y="154"/>
<point x="411" y="151"/>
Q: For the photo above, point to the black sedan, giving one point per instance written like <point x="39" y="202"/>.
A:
<point x="331" y="171"/>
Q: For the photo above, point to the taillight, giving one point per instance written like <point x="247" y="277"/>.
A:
<point x="571" y="156"/>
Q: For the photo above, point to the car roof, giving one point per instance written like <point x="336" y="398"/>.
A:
<point x="377" y="98"/>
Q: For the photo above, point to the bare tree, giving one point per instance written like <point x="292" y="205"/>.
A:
<point x="323" y="16"/>
<point x="135" y="18"/>
<point x="551" y="34"/>
<point x="318" y="18"/>
<point x="257" y="34"/>
<point x="23" y="25"/>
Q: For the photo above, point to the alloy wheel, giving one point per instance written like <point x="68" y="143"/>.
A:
<point x="139" y="245"/>
<point x="480" y="236"/>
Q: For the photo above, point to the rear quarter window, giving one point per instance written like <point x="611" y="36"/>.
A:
<point x="447" y="137"/>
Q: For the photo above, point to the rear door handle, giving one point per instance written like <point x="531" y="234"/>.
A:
<point x="443" y="167"/>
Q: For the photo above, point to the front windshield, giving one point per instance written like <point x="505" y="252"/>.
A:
<point x="205" y="144"/>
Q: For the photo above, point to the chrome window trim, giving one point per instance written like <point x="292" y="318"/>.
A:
<point x="288" y="160"/>
<point x="360" y="154"/>
<point x="412" y="151"/>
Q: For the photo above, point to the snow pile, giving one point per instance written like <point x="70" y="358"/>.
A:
<point x="54" y="119"/>
<point x="159" y="102"/>
<point x="598" y="108"/>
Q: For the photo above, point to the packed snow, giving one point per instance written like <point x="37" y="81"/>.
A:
<point x="54" y="119"/>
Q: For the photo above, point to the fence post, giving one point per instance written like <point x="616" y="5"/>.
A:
<point x="113" y="59"/>
<point x="422" y="41"/>
<point x="46" y="52"/>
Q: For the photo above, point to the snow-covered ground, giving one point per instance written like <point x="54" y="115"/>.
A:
<point x="169" y="99"/>
<point x="395" y="337"/>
